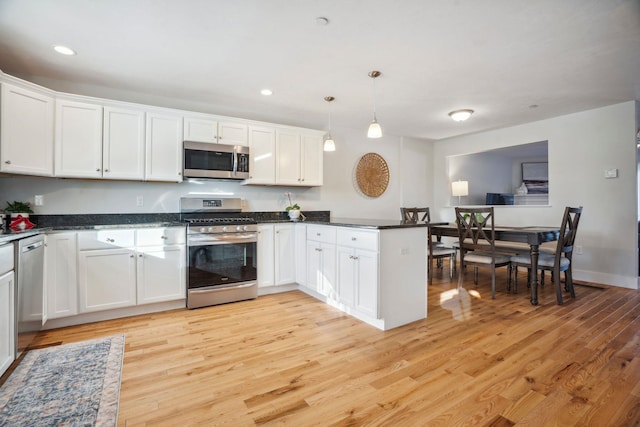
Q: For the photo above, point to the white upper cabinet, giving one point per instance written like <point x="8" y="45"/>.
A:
<point x="26" y="131"/>
<point x="211" y="130"/>
<point x="163" y="147"/>
<point x="78" y="141"/>
<point x="299" y="158"/>
<point x="232" y="133"/>
<point x="288" y="157"/>
<point x="311" y="159"/>
<point x="262" y="148"/>
<point x="123" y="144"/>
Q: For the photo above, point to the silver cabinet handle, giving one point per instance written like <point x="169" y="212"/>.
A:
<point x="131" y="256"/>
<point x="110" y="240"/>
<point x="98" y="170"/>
<point x="318" y="234"/>
<point x="139" y="255"/>
<point x="164" y="237"/>
<point x="353" y="239"/>
<point x="106" y="170"/>
<point x="8" y="162"/>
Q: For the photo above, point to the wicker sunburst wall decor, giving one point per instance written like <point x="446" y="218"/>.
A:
<point x="372" y="174"/>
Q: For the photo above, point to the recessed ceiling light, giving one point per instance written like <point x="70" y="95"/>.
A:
<point x="322" y="21"/>
<point x="460" y="115"/>
<point x="266" y="92"/>
<point x="64" y="50"/>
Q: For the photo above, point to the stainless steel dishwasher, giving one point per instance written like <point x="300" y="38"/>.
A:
<point x="30" y="278"/>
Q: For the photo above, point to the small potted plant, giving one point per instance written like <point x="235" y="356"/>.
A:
<point x="19" y="215"/>
<point x="293" y="209"/>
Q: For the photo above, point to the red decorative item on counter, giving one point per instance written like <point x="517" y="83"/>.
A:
<point x="20" y="223"/>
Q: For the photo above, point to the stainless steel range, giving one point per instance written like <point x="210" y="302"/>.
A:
<point x="222" y="251"/>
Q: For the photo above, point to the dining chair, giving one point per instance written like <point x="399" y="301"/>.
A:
<point x="437" y="250"/>
<point x="476" y="237"/>
<point x="560" y="260"/>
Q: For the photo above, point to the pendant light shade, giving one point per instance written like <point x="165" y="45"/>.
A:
<point x="329" y="143"/>
<point x="375" y="130"/>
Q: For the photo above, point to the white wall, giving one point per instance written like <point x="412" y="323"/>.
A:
<point x="410" y="181"/>
<point x="581" y="147"/>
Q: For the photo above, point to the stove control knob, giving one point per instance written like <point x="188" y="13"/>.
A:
<point x="203" y="229"/>
<point x="245" y="228"/>
<point x="211" y="229"/>
<point x="224" y="229"/>
<point x="238" y="228"/>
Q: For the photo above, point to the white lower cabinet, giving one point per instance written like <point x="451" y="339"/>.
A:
<point x="276" y="255"/>
<point x="266" y="266"/>
<point x="107" y="279"/>
<point x="7" y="321"/>
<point x="358" y="280"/>
<point x="161" y="273"/>
<point x="321" y="260"/>
<point x="61" y="275"/>
<point x="285" y="267"/>
<point x="115" y="268"/>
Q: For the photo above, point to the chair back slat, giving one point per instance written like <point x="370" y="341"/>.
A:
<point x="568" y="231"/>
<point x="415" y="215"/>
<point x="476" y="230"/>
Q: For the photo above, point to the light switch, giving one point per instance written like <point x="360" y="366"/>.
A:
<point x="611" y="173"/>
<point x="39" y="200"/>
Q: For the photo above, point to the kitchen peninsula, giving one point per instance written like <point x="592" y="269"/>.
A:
<point x="374" y="270"/>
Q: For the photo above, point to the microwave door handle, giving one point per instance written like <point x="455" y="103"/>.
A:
<point x="235" y="161"/>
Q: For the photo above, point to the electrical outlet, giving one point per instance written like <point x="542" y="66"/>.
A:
<point x="139" y="201"/>
<point x="578" y="250"/>
<point x="38" y="200"/>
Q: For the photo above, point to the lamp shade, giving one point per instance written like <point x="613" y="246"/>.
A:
<point x="329" y="144"/>
<point x="375" y="131"/>
<point x="460" y="188"/>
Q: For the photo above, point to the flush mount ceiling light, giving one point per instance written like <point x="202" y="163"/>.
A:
<point x="374" y="131"/>
<point x="64" y="50"/>
<point x="329" y="143"/>
<point x="266" y="92"/>
<point x="460" y="115"/>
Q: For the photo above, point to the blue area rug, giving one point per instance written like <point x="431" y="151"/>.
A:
<point x="75" y="384"/>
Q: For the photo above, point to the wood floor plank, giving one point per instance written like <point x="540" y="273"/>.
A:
<point x="288" y="359"/>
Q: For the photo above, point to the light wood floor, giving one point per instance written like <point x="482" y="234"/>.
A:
<point x="288" y="359"/>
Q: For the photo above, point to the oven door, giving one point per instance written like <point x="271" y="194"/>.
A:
<point x="221" y="261"/>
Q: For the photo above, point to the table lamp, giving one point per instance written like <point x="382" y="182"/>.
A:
<point x="460" y="188"/>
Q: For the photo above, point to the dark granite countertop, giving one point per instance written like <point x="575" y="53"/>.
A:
<point x="376" y="224"/>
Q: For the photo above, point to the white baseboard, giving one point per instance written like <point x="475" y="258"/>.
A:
<point x="607" y="279"/>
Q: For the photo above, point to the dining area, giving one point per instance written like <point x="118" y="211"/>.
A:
<point x="477" y="240"/>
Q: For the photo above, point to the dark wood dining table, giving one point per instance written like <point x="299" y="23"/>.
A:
<point x="532" y="235"/>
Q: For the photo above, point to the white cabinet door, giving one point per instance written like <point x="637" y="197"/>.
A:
<point x="285" y="271"/>
<point x="161" y="273"/>
<point x="106" y="279"/>
<point x="266" y="266"/>
<point x="26" y="131"/>
<point x="347" y="267"/>
<point x="311" y="158"/>
<point x="200" y="130"/>
<point x="300" y="247"/>
<point x="78" y="142"/>
<point x="163" y="147"/>
<point x="61" y="275"/>
<point x="262" y="144"/>
<point x="287" y="157"/>
<point x="367" y="282"/>
<point x="123" y="144"/>
<point x="7" y="321"/>
<point x="321" y="268"/>
<point x="233" y="133"/>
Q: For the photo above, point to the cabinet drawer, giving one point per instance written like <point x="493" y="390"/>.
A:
<point x="106" y="239"/>
<point x="161" y="236"/>
<point x="358" y="239"/>
<point x="321" y="233"/>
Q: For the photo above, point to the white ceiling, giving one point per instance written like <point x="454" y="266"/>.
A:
<point x="497" y="57"/>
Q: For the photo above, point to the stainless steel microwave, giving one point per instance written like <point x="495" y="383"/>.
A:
<point x="206" y="160"/>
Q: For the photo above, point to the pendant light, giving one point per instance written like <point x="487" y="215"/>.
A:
<point x="329" y="143"/>
<point x="375" y="131"/>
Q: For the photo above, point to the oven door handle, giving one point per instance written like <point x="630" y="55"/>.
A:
<point x="220" y="288"/>
<point x="242" y="238"/>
